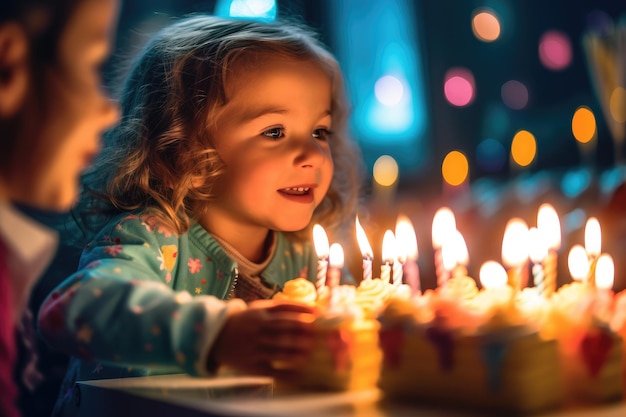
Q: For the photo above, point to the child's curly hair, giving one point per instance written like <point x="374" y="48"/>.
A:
<point x="161" y="155"/>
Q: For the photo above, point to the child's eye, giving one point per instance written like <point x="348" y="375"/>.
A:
<point x="322" y="134"/>
<point x="274" y="133"/>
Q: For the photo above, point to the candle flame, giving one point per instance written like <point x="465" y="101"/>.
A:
<point x="515" y="243"/>
<point x="549" y="225"/>
<point x="448" y="253"/>
<point x="389" y="247"/>
<point x="320" y="240"/>
<point x="406" y="241"/>
<point x="364" y="244"/>
<point x="593" y="237"/>
<point x="460" y="248"/>
<point x="537" y="248"/>
<point x="605" y="272"/>
<point x="578" y="263"/>
<point x="444" y="223"/>
<point x="454" y="251"/>
<point x="335" y="257"/>
<point x="493" y="275"/>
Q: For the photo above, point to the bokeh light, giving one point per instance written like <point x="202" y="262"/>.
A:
<point x="455" y="168"/>
<point x="523" y="148"/>
<point x="388" y="90"/>
<point x="583" y="124"/>
<point x="486" y="25"/>
<point x="255" y="9"/>
<point x="617" y="105"/>
<point x="490" y="155"/>
<point x="555" y="50"/>
<point x="574" y="182"/>
<point x="385" y="170"/>
<point x="514" y="94"/>
<point x="459" y="86"/>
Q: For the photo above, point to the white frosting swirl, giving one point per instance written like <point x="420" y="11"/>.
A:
<point x="371" y="296"/>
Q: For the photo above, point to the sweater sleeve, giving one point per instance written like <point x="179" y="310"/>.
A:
<point x="118" y="308"/>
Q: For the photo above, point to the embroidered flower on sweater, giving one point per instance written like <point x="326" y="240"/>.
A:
<point x="195" y="265"/>
<point x="113" y="250"/>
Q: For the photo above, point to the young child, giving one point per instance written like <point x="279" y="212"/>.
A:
<point x="232" y="144"/>
<point x="52" y="112"/>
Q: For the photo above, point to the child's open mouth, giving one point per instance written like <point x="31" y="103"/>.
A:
<point x="296" y="190"/>
<point x="298" y="194"/>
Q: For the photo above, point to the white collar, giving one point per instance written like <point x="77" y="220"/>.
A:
<point x="30" y="247"/>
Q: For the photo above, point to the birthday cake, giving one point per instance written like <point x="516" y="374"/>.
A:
<point x="458" y="346"/>
<point x="500" y="349"/>
<point x="346" y="355"/>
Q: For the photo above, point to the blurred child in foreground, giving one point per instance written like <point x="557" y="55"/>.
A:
<point x="52" y="112"/>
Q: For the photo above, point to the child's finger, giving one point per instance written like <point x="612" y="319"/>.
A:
<point x="286" y="320"/>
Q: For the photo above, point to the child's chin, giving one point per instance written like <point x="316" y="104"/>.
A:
<point x="294" y="226"/>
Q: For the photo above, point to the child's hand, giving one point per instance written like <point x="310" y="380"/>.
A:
<point x="269" y="338"/>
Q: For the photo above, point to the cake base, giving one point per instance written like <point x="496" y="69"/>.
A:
<point x="512" y="372"/>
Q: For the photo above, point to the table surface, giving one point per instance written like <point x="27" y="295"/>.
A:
<point x="256" y="396"/>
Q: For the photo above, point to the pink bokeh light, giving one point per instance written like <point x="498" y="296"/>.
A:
<point x="459" y="87"/>
<point x="555" y="50"/>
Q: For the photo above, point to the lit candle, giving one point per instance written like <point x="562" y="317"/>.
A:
<point x="538" y="252"/>
<point x="604" y="277"/>
<point x="550" y="229"/>
<point x="336" y="260"/>
<point x="366" y="250"/>
<point x="578" y="264"/>
<point x="515" y="251"/>
<point x="444" y="224"/>
<point x="408" y="253"/>
<point x="454" y="257"/>
<point x="605" y="273"/>
<point x="492" y="275"/>
<point x="448" y="260"/>
<point x="493" y="278"/>
<point x="461" y="255"/>
<point x="593" y="245"/>
<point x="397" y="266"/>
<point x="388" y="255"/>
<point x="320" y="240"/>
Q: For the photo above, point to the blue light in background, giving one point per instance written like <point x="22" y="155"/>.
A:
<point x="575" y="182"/>
<point x="264" y="10"/>
<point x="377" y="46"/>
<point x="491" y="155"/>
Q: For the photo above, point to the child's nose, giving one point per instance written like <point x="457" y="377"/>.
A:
<point x="312" y="154"/>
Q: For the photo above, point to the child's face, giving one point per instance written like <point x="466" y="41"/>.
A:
<point x="273" y="137"/>
<point x="79" y="111"/>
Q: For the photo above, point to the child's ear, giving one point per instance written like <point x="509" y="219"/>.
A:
<point x="14" y="70"/>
